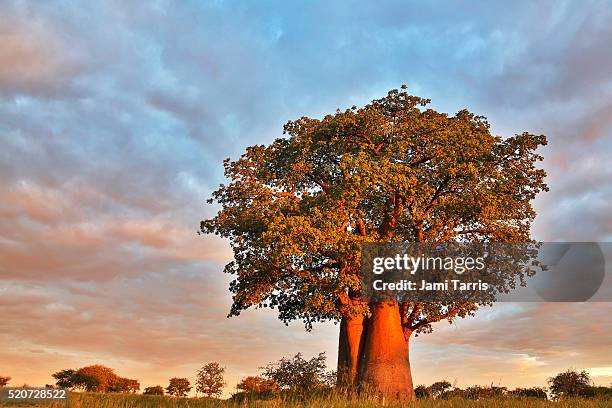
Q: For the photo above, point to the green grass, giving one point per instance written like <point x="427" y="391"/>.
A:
<point x="90" y="400"/>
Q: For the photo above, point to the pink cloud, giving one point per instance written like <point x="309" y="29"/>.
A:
<point x="33" y="58"/>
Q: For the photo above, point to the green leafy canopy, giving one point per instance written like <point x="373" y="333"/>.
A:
<point x="297" y="210"/>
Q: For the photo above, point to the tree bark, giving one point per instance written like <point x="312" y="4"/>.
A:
<point x="350" y="347"/>
<point x="384" y="365"/>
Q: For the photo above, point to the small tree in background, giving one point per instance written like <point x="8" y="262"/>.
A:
<point x="438" y="388"/>
<point x="421" y="391"/>
<point x="4" y="381"/>
<point x="179" y="387"/>
<point x="209" y="380"/>
<point x="95" y="378"/>
<point x="570" y="383"/>
<point x="125" y="385"/>
<point x="298" y="374"/>
<point x="155" y="390"/>
<point x="64" y="378"/>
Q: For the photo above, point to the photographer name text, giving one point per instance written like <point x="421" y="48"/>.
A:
<point x="425" y="286"/>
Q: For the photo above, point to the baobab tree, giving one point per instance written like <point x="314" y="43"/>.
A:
<point x="297" y="211"/>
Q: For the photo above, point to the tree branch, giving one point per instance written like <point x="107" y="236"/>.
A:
<point x="435" y="197"/>
<point x="396" y="203"/>
<point x="361" y="227"/>
<point x="450" y="313"/>
<point x="414" y="313"/>
<point x="414" y="162"/>
<point x="287" y="194"/>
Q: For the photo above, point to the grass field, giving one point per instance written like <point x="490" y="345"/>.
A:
<point x="90" y="400"/>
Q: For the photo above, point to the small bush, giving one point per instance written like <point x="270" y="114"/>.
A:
<point x="533" y="392"/>
<point x="155" y="390"/>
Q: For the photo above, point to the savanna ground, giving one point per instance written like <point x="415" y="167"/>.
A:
<point x="94" y="400"/>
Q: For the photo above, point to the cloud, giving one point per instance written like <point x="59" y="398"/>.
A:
<point x="50" y="235"/>
<point x="555" y="338"/>
<point x="597" y="124"/>
<point x="516" y="345"/>
<point x="34" y="59"/>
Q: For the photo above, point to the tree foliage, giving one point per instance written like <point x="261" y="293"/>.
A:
<point x="64" y="378"/>
<point x="179" y="387"/>
<point x="599" y="392"/>
<point x="438" y="388"/>
<point x="4" y="381"/>
<point x="445" y="390"/>
<point x="532" y="392"/>
<point x="435" y="390"/>
<point x="209" y="380"/>
<point x="95" y="378"/>
<point x="256" y="385"/>
<point x="298" y="374"/>
<point x="476" y="392"/>
<point x="297" y="210"/>
<point x="124" y="385"/>
<point x="154" y="390"/>
<point x="570" y="383"/>
<point x="421" y="391"/>
<point x="564" y="385"/>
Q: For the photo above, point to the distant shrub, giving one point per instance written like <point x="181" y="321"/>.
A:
<point x="95" y="378"/>
<point x="421" y="391"/>
<point x="438" y="388"/>
<point x="120" y="384"/>
<point x="533" y="392"/>
<point x="300" y="375"/>
<point x="479" y="392"/>
<point x="455" y="393"/>
<point x="474" y="392"/>
<point x="155" y="390"/>
<point x="435" y="390"/>
<point x="604" y="393"/>
<point x="4" y="381"/>
<point x="570" y="383"/>
<point x="257" y="385"/>
<point x="64" y="378"/>
<point x="569" y="386"/>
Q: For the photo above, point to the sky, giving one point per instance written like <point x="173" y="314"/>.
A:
<point x="115" y="117"/>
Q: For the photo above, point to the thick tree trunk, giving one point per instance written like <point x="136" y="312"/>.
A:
<point x="384" y="366"/>
<point x="350" y="346"/>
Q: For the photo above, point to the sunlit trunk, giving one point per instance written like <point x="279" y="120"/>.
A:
<point x="350" y="346"/>
<point x="384" y="366"/>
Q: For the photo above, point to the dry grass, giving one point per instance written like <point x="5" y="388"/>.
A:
<point x="90" y="400"/>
